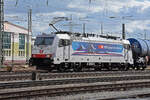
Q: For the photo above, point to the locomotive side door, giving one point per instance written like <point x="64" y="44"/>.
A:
<point x="126" y="48"/>
<point x="66" y="49"/>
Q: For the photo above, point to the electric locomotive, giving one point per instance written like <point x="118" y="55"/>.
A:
<point x="64" y="51"/>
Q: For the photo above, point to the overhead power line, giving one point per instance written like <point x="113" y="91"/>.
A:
<point x="47" y="2"/>
<point x="18" y="1"/>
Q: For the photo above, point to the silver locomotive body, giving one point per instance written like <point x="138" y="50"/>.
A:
<point x="64" y="51"/>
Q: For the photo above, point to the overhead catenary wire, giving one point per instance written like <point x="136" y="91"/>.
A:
<point x="47" y="2"/>
<point x="106" y="4"/>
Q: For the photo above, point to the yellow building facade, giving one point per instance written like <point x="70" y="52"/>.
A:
<point x="15" y="45"/>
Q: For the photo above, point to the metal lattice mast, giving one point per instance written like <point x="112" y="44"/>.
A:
<point x="1" y="30"/>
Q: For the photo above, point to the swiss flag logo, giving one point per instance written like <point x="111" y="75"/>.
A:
<point x="101" y="46"/>
<point x="41" y="51"/>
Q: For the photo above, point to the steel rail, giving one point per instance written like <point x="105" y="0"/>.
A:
<point x="61" y="81"/>
<point x="21" y="72"/>
<point x="28" y="76"/>
<point x="73" y="89"/>
<point x="43" y="71"/>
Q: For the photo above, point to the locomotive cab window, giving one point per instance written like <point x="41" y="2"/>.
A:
<point x="64" y="42"/>
<point x="127" y="46"/>
<point x="44" y="41"/>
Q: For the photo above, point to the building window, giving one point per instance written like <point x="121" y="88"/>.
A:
<point x="21" y="53"/>
<point x="7" y="40"/>
<point x="21" y="45"/>
<point x="21" y="41"/>
<point x="7" y="52"/>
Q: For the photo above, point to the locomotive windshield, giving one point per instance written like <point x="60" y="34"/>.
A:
<point x="44" y="41"/>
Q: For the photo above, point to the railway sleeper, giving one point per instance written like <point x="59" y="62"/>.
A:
<point x="75" y="89"/>
<point x="70" y="81"/>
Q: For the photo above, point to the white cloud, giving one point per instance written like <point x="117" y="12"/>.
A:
<point x="137" y="25"/>
<point x="15" y="16"/>
<point x="60" y="14"/>
<point x="110" y="5"/>
<point x="43" y="19"/>
<point x="143" y="5"/>
<point x="117" y="5"/>
<point x="40" y="27"/>
<point x="93" y="9"/>
<point x="82" y="5"/>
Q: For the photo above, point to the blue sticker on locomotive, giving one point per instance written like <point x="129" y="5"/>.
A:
<point x="85" y="48"/>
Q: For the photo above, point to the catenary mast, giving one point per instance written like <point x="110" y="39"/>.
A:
<point x="1" y="30"/>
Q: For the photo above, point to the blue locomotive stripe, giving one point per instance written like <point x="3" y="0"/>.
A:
<point x="85" y="48"/>
<point x="95" y="54"/>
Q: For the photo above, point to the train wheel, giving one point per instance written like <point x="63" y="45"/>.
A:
<point x="109" y="68"/>
<point x="77" y="69"/>
<point x="98" y="68"/>
<point x="37" y="67"/>
<point x="138" y="68"/>
<point x="133" y="67"/>
<point x="119" y="68"/>
<point x="50" y="69"/>
<point x="126" y="67"/>
<point x="61" y="69"/>
<point x="122" y="68"/>
<point x="143" y="67"/>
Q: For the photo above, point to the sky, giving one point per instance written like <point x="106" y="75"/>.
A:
<point x="110" y="14"/>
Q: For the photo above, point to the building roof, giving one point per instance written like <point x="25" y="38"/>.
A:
<point x="16" y="25"/>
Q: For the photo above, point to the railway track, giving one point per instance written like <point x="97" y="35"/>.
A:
<point x="56" y="90"/>
<point x="21" y="72"/>
<point x="44" y="75"/>
<point x="61" y="81"/>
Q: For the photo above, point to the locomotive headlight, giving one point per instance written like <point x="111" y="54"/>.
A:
<point x="48" y="56"/>
<point x="33" y="55"/>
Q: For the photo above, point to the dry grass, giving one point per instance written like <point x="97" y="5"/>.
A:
<point x="17" y="68"/>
